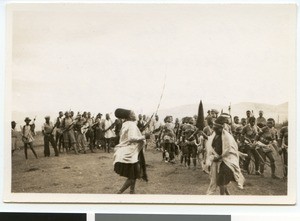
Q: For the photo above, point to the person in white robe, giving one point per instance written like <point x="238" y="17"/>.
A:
<point x="129" y="158"/>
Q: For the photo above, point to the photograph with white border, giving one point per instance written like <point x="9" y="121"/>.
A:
<point x="150" y="103"/>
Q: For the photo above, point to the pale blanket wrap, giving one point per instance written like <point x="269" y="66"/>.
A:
<point x="230" y="156"/>
<point x="127" y="151"/>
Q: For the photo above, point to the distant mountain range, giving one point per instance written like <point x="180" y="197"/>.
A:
<point x="278" y="112"/>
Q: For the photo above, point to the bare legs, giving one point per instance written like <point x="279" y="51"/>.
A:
<point x="224" y="190"/>
<point x="128" y="183"/>
<point x="30" y="145"/>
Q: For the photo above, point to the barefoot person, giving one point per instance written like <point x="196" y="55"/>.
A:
<point x="267" y="146"/>
<point x="27" y="137"/>
<point x="129" y="159"/>
<point x="223" y="159"/>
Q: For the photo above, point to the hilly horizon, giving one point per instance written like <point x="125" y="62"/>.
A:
<point x="278" y="112"/>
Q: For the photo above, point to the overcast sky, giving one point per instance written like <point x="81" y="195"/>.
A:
<point x="99" y="57"/>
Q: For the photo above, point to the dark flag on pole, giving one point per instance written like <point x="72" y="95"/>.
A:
<point x="200" y="119"/>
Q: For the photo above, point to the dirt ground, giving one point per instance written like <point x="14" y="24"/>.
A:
<point x="93" y="173"/>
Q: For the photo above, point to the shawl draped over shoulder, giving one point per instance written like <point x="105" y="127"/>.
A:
<point x="230" y="156"/>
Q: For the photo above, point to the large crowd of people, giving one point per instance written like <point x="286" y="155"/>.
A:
<point x="226" y="147"/>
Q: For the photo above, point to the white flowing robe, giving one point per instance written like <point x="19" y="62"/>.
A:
<point x="127" y="150"/>
<point x="230" y="156"/>
<point x="109" y="133"/>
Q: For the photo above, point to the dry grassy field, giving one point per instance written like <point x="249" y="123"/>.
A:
<point x="93" y="173"/>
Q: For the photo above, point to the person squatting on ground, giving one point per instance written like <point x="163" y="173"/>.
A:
<point x="223" y="159"/>
<point x="283" y="150"/>
<point x="129" y="158"/>
<point x="27" y="137"/>
<point x="249" y="133"/>
<point x="14" y="137"/>
<point x="68" y="133"/>
<point x="47" y="131"/>
<point x="265" y="145"/>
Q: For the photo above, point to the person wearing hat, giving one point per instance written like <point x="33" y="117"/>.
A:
<point x="223" y="159"/>
<point x="27" y="137"/>
<point x="47" y="130"/>
<point x="214" y="114"/>
<point x="261" y="121"/>
<point x="59" y="139"/>
<point x="14" y="137"/>
<point x="228" y="122"/>
<point x="129" y="158"/>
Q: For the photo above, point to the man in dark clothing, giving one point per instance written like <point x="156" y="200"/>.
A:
<point x="140" y="122"/>
<point x="47" y="131"/>
<point x="118" y="127"/>
<point x="59" y="139"/>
